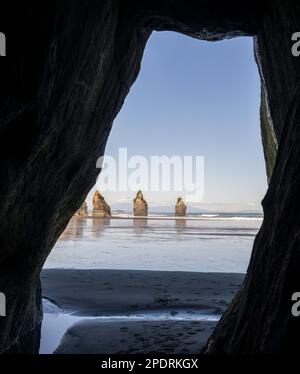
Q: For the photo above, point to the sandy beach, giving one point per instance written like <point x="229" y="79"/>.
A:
<point x="138" y="311"/>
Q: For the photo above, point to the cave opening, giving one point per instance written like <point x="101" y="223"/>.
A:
<point x="190" y="97"/>
<point x="65" y="98"/>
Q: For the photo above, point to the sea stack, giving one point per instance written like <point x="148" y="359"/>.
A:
<point x="140" y="206"/>
<point x="180" y="208"/>
<point x="100" y="207"/>
<point x="82" y="211"/>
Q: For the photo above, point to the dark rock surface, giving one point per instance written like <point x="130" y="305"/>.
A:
<point x="260" y="319"/>
<point x="69" y="68"/>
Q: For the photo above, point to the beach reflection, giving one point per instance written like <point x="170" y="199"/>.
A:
<point x="157" y="243"/>
<point x="180" y="225"/>
<point x="99" y="225"/>
<point x="75" y="229"/>
<point x="139" y="226"/>
<point x="79" y="228"/>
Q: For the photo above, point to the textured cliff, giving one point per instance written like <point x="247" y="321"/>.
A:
<point x="269" y="139"/>
<point x="260" y="318"/>
<point x="70" y="65"/>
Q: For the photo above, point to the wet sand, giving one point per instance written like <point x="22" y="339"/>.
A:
<point x="135" y="338"/>
<point x="123" y="293"/>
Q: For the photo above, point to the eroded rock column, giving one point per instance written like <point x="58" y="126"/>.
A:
<point x="100" y="207"/>
<point x="140" y="206"/>
<point x="180" y="208"/>
<point x="82" y="211"/>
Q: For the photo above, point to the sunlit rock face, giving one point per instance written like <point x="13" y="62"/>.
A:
<point x="82" y="211"/>
<point x="140" y="206"/>
<point x="62" y="84"/>
<point x="100" y="207"/>
<point x="268" y="136"/>
<point x="180" y="208"/>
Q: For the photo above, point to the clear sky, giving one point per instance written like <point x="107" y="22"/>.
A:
<point x="197" y="98"/>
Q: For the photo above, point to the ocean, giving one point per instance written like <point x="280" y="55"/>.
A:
<point x="204" y="242"/>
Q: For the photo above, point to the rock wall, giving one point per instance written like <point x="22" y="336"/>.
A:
<point x="259" y="320"/>
<point x="68" y="69"/>
<point x="269" y="139"/>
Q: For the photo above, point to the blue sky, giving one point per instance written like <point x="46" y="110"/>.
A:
<point x="197" y="98"/>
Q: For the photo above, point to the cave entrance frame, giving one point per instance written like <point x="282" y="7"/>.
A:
<point x="49" y="128"/>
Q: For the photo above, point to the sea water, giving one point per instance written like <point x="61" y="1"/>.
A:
<point x="200" y="243"/>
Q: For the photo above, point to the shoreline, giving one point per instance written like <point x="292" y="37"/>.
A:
<point x="98" y="293"/>
<point x="173" y="218"/>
